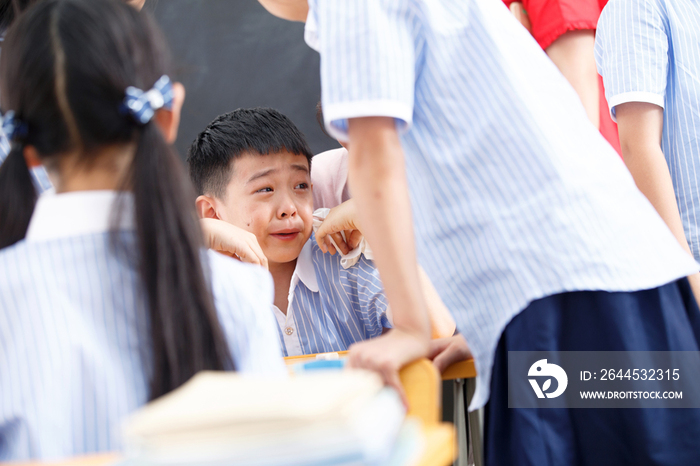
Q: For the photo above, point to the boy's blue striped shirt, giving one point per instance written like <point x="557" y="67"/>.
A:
<point x="515" y="194"/>
<point x="649" y="51"/>
<point x="331" y="307"/>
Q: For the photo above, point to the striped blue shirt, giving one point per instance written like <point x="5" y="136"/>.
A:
<point x="330" y="307"/>
<point x="74" y="332"/>
<point x="515" y="194"/>
<point x="649" y="51"/>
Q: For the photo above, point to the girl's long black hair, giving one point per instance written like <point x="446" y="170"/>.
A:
<point x="64" y="69"/>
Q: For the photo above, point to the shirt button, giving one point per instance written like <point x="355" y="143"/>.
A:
<point x="289" y="330"/>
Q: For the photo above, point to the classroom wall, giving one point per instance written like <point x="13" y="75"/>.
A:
<point x="231" y="54"/>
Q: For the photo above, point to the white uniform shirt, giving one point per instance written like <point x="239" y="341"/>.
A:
<point x="515" y="194"/>
<point x="74" y="329"/>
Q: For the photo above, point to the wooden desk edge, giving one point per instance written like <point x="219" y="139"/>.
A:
<point x="458" y="370"/>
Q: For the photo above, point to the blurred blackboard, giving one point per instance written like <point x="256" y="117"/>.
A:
<point x="233" y="53"/>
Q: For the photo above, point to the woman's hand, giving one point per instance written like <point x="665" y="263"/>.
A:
<point x="232" y="241"/>
<point x="446" y="351"/>
<point x="342" y="218"/>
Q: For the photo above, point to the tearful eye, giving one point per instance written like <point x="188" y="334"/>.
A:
<point x="302" y="186"/>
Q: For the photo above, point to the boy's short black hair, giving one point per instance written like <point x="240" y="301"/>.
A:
<point x="246" y="130"/>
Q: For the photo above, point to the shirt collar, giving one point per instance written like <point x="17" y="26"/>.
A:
<point x="311" y="27"/>
<point x="305" y="270"/>
<point x="77" y="213"/>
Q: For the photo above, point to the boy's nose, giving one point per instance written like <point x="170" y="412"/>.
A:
<point x="287" y="209"/>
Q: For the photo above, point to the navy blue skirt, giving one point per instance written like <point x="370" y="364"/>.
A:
<point x="661" y="319"/>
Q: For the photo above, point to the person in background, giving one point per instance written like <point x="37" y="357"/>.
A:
<point x="565" y="29"/>
<point x="648" y="53"/>
<point x="533" y="232"/>
<point x="107" y="297"/>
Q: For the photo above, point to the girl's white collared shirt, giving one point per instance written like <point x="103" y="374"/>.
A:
<point x="74" y="331"/>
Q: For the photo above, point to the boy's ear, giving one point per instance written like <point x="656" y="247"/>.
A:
<point x="168" y="120"/>
<point x="205" y="207"/>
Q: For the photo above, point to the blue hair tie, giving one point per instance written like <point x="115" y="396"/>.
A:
<point x="142" y="105"/>
<point x="11" y="126"/>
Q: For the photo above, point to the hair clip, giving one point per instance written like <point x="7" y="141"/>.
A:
<point x="142" y="105"/>
<point x="11" y="126"/>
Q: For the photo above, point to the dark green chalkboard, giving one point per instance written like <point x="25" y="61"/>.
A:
<point x="233" y="53"/>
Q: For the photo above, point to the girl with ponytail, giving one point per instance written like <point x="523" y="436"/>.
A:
<point x="107" y="297"/>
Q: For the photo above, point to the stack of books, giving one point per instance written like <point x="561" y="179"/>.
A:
<point x="324" y="418"/>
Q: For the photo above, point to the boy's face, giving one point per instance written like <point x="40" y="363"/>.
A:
<point x="270" y="196"/>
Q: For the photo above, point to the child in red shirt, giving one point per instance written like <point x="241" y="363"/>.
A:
<point x="565" y="29"/>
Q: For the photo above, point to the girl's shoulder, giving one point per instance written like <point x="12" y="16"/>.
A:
<point x="237" y="282"/>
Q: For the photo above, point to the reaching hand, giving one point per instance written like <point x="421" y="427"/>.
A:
<point x="232" y="241"/>
<point x="446" y="351"/>
<point x="342" y="218"/>
<point x="387" y="355"/>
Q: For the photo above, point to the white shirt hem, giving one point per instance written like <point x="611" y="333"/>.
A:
<point x="366" y="108"/>
<point x="637" y="96"/>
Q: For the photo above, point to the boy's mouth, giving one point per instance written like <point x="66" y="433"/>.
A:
<point x="286" y="235"/>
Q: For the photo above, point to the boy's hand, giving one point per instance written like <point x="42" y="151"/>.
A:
<point x="446" y="351"/>
<point x="342" y="218"/>
<point x="232" y="241"/>
<point x="387" y="354"/>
